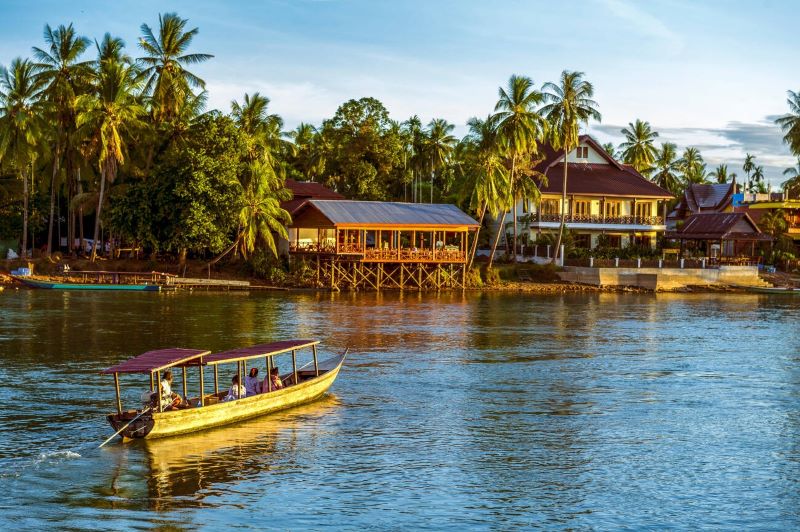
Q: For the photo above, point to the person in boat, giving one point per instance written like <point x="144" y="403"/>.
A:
<point x="237" y="391"/>
<point x="169" y="399"/>
<point x="251" y="383"/>
<point x="275" y="379"/>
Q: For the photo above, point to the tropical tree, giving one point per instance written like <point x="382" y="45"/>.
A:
<point x="758" y="184"/>
<point x="569" y="105"/>
<point x="792" y="184"/>
<point x="413" y="139"/>
<point x="790" y="122"/>
<point x="261" y="214"/>
<point x="309" y="157"/>
<point x="610" y="149"/>
<point x="437" y="146"/>
<point x="520" y="127"/>
<point x="667" y="166"/>
<point x="692" y="166"/>
<point x="748" y="166"/>
<point x="105" y="116"/>
<point x="165" y="65"/>
<point x="21" y="126"/>
<point x="638" y="149"/>
<point x="64" y="77"/>
<point x="721" y="174"/>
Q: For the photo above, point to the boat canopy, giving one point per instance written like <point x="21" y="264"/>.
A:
<point x="257" y="351"/>
<point x="158" y="360"/>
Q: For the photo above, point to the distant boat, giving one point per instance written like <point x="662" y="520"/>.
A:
<point x="54" y="285"/>
<point x="301" y="385"/>
<point x="772" y="290"/>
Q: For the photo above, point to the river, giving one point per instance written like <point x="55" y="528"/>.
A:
<point x="478" y="410"/>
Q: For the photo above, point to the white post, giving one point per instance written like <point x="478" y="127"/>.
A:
<point x="548" y="251"/>
<point x="591" y="262"/>
<point x="703" y="263"/>
<point x="616" y="262"/>
<point x="562" y="255"/>
<point x="639" y="262"/>
<point x="660" y="263"/>
<point x="682" y="263"/>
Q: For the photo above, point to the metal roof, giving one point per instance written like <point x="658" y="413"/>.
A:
<point x="350" y="212"/>
<point x="719" y="226"/>
<point x="257" y="351"/>
<point x="157" y="360"/>
<point x="592" y="179"/>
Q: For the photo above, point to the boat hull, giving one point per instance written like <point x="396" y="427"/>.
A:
<point x="34" y="283"/>
<point x="775" y="290"/>
<point x="176" y="422"/>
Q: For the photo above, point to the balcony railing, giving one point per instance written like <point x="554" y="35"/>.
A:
<point x="446" y="254"/>
<point x="598" y="219"/>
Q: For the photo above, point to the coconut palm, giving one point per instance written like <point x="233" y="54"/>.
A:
<point x="488" y="175"/>
<point x="262" y="215"/>
<point x="758" y="184"/>
<point x="667" y="166"/>
<point x="790" y="122"/>
<point x="520" y="127"/>
<point x="64" y="77"/>
<point x="437" y="146"/>
<point x="569" y="105"/>
<point x="638" y="149"/>
<point x="21" y="126"/>
<point x="610" y="149"/>
<point x="106" y="116"/>
<point x="308" y="158"/>
<point x="721" y="174"/>
<point x="793" y="183"/>
<point x="692" y="166"/>
<point x="165" y="65"/>
<point x="748" y="166"/>
<point x="413" y="153"/>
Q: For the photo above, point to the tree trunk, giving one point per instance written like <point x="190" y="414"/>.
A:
<point x="99" y="209"/>
<point x="514" y="206"/>
<point x="82" y="239"/>
<point x="475" y="242"/>
<point x="182" y="257"/>
<point x="56" y="160"/>
<point x="563" y="210"/>
<point x="24" y="253"/>
<point x="500" y="229"/>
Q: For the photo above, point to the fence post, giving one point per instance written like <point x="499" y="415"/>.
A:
<point x="660" y="263"/>
<point x="536" y="251"/>
<point x="591" y="262"/>
<point x="639" y="262"/>
<point x="703" y="263"/>
<point x="548" y="251"/>
<point x="682" y="263"/>
<point x="562" y="255"/>
<point x="616" y="262"/>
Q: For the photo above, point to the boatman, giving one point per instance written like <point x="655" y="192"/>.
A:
<point x="169" y="399"/>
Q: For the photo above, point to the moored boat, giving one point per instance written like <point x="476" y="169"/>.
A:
<point x="207" y="410"/>
<point x="54" y="285"/>
<point x="773" y="290"/>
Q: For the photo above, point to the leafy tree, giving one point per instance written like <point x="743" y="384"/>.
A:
<point x="438" y="144"/>
<point x="792" y="185"/>
<point x="638" y="149"/>
<point x="610" y="149"/>
<point x="721" y="174"/>
<point x="21" y="126"/>
<point x="570" y="106"/>
<point x="748" y="167"/>
<point x="308" y="157"/>
<point x="692" y="166"/>
<point x="667" y="167"/>
<point x="64" y="77"/>
<point x="520" y="127"/>
<point x="758" y="184"/>
<point x="790" y="122"/>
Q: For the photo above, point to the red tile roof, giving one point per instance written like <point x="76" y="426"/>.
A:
<point x="594" y="179"/>
<point x="303" y="191"/>
<point x="719" y="226"/>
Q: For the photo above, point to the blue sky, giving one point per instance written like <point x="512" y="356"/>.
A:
<point x="708" y="74"/>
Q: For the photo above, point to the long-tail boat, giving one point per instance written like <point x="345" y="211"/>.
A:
<point x="55" y="285"/>
<point x="205" y="410"/>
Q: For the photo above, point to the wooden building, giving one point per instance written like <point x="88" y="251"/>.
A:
<point x="377" y="245"/>
<point x="723" y="236"/>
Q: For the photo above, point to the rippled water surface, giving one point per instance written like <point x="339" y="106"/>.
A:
<point x="491" y="411"/>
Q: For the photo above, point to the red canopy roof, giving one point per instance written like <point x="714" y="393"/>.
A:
<point x="256" y="351"/>
<point x="157" y="360"/>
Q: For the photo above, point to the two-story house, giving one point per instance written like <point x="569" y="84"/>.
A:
<point x="604" y="197"/>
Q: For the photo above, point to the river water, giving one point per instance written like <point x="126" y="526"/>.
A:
<point x="479" y="410"/>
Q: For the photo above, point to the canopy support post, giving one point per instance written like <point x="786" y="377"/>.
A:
<point x="183" y="374"/>
<point x="294" y="365"/>
<point x="158" y="378"/>
<point x="316" y="366"/>
<point x="269" y="374"/>
<point x="116" y="386"/>
<point x="152" y="383"/>
<point x="202" y="384"/>
<point x="216" y="379"/>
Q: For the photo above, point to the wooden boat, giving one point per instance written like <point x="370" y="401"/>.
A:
<point x="302" y="385"/>
<point x="773" y="290"/>
<point x="54" y="285"/>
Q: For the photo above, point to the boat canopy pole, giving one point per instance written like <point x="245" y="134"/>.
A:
<point x="116" y="386"/>
<point x="294" y="365"/>
<point x="202" y="384"/>
<point x="216" y="379"/>
<point x="316" y="365"/>
<point x="158" y="381"/>
<point x="269" y="374"/>
<point x="183" y="373"/>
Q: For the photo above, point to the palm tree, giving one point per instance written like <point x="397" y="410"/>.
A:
<point x="21" y="126"/>
<point x="570" y="105"/>
<point x="261" y="214"/>
<point x="489" y="176"/>
<point x="610" y="149"/>
<point x="748" y="166"/>
<point x="790" y="122"/>
<point x="438" y="145"/>
<point x="414" y="136"/>
<point x="105" y="116"/>
<point x="64" y="76"/>
<point x="721" y="174"/>
<point x="692" y="166"/>
<point x="638" y="149"/>
<point x="667" y="166"/>
<point x="793" y="183"/>
<point x="164" y="65"/>
<point x="520" y="127"/>
<point x="758" y="184"/>
<point x="309" y="159"/>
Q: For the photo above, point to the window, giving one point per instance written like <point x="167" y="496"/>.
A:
<point x="549" y="206"/>
<point x="613" y="209"/>
<point x="582" y="152"/>
<point x="644" y="210"/>
<point x="582" y="241"/>
<point x="581" y="208"/>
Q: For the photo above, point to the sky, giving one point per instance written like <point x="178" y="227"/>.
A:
<point x="713" y="75"/>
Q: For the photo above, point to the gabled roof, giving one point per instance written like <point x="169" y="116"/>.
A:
<point x="698" y="198"/>
<point x="593" y="179"/>
<point x="157" y="360"/>
<point x="373" y="213"/>
<point x="305" y="190"/>
<point x="719" y="226"/>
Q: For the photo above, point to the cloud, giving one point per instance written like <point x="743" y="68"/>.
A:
<point x="643" y="22"/>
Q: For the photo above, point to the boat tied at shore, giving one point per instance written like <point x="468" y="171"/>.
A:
<point x="206" y="410"/>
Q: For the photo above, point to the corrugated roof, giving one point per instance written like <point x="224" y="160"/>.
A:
<point x="703" y="197"/>
<point x="589" y="179"/>
<point x="157" y="360"/>
<point x="350" y="212"/>
<point x="719" y="226"/>
<point x="257" y="351"/>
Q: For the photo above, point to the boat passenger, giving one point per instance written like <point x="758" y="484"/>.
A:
<point x="275" y="379"/>
<point x="251" y="383"/>
<point x="169" y="399"/>
<point x="236" y="391"/>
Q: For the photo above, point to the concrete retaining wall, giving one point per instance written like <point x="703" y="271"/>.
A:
<point x="663" y="278"/>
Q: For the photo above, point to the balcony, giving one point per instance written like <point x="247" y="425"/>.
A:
<point x="445" y="254"/>
<point x="597" y="219"/>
